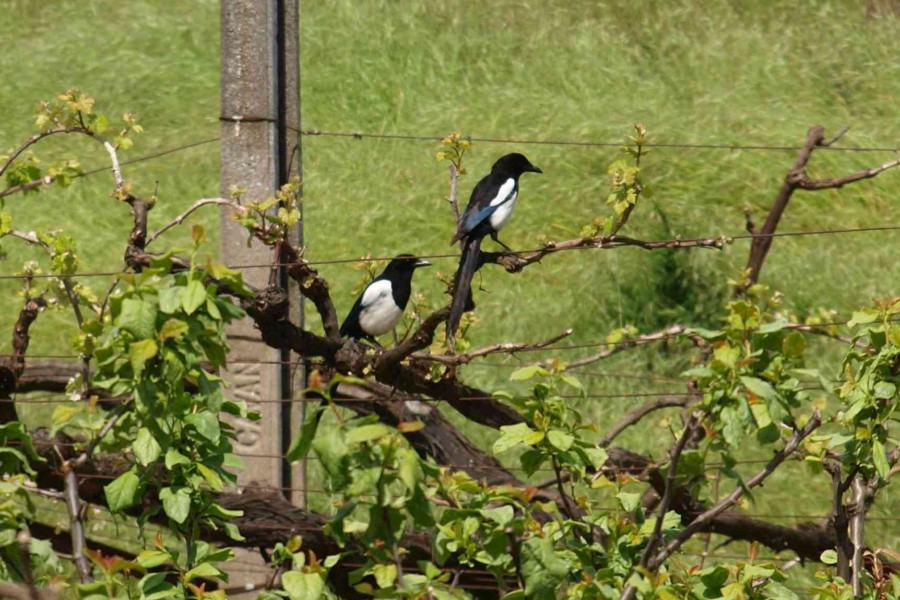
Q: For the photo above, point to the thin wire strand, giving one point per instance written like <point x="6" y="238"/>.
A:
<point x="582" y="143"/>
<point x="336" y="261"/>
<point x="597" y="344"/>
<point x="800" y="517"/>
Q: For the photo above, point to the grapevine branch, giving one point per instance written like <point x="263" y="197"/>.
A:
<point x="668" y="492"/>
<point x="710" y="514"/>
<point x="797" y="178"/>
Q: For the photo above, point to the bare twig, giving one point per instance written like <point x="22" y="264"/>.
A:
<point x="28" y="185"/>
<point x="841" y="521"/>
<point x="196" y="205"/>
<point x="34" y="140"/>
<point x="503" y="348"/>
<point x="671" y="475"/>
<point x="514" y="262"/>
<point x="672" y="331"/>
<point x="114" y="158"/>
<point x="76" y="526"/>
<point x="797" y="178"/>
<point x="567" y="504"/>
<point x="635" y="415"/>
<point x="703" y="519"/>
<point x="454" y="192"/>
<point x="857" y="534"/>
<point x="838" y="182"/>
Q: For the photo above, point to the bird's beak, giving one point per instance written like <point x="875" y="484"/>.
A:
<point x="535" y="169"/>
<point x="422" y="263"/>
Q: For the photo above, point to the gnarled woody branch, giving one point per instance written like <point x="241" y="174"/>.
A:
<point x="440" y="440"/>
<point x="12" y="368"/>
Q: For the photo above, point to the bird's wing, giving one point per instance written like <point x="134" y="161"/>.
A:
<point x="373" y="291"/>
<point x="487" y="197"/>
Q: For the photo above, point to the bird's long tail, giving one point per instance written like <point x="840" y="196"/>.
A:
<point x="462" y="294"/>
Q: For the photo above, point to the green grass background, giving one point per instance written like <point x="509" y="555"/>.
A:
<point x="701" y="72"/>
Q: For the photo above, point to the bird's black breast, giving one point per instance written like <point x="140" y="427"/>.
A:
<point x="401" y="290"/>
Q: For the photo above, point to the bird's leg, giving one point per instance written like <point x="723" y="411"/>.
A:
<point x="371" y="340"/>
<point x="497" y="239"/>
<point x="394" y="333"/>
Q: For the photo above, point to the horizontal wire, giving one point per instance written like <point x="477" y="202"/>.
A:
<point x="708" y="467"/>
<point x="139" y="159"/>
<point x="581" y="143"/>
<point x="339" y="401"/>
<point x="748" y="236"/>
<point x="146" y="157"/>
<point x="808" y="517"/>
<point x="599" y="344"/>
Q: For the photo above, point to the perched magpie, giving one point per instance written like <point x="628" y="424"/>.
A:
<point x="489" y="208"/>
<point x="380" y="306"/>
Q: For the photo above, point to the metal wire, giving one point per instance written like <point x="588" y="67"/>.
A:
<point x="312" y="132"/>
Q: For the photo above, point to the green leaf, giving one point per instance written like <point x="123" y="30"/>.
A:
<point x="629" y="501"/>
<point x="366" y="433"/>
<point x="862" y="317"/>
<point x="202" y="570"/>
<point x="211" y="477"/>
<point x="233" y="533"/>
<point x="177" y="505"/>
<point x="829" y="557"/>
<point x="5" y="223"/>
<point x="174" y="457"/>
<point x="671" y="521"/>
<point x="140" y="352"/>
<point x="560" y="439"/>
<point x="596" y="456"/>
<point x="884" y="390"/>
<point x="122" y="492"/>
<point x="206" y="424"/>
<point x="513" y="435"/>
<point x="138" y="317"/>
<point x="760" y="388"/>
<point x="500" y="515"/>
<point x="333" y="453"/>
<point x="170" y="299"/>
<point x="528" y="373"/>
<point x="146" y="449"/>
<point x="150" y="559"/>
<point x="542" y="569"/>
<point x="714" y="578"/>
<point x="531" y="460"/>
<point x="303" y="586"/>
<point x="303" y="443"/>
<point x="173" y="328"/>
<point x="879" y="456"/>
<point x="385" y="574"/>
<point x="408" y="468"/>
<point x="794" y="344"/>
<point x="193" y="296"/>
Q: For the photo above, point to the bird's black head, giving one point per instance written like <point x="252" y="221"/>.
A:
<point x="405" y="263"/>
<point x="514" y="164"/>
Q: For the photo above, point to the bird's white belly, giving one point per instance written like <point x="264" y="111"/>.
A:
<point x="380" y="317"/>
<point x="503" y="213"/>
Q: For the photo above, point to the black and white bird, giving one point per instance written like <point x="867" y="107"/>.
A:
<point x="379" y="308"/>
<point x="489" y="209"/>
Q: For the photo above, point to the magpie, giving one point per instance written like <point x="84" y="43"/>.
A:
<point x="379" y="308"/>
<point x="489" y="208"/>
